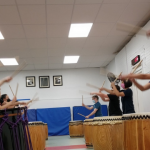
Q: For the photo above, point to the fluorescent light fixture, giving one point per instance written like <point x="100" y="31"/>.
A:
<point x="71" y="59"/>
<point x="1" y="36"/>
<point x="80" y="30"/>
<point x="9" y="61"/>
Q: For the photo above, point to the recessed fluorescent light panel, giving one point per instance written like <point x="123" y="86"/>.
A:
<point x="71" y="59"/>
<point x="80" y="30"/>
<point x="9" y="61"/>
<point x="1" y="36"/>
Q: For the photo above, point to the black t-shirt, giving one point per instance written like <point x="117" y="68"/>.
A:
<point x="127" y="102"/>
<point x="1" y="101"/>
<point x="114" y="105"/>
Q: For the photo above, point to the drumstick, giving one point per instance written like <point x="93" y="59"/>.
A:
<point x="118" y="77"/>
<point x="16" y="90"/>
<point x="81" y="115"/>
<point x="130" y="28"/>
<point x="93" y="86"/>
<point x="11" y="90"/>
<point x="33" y="99"/>
<point x="84" y="92"/>
<point x="21" y="67"/>
<point x="103" y="84"/>
<point x="137" y="66"/>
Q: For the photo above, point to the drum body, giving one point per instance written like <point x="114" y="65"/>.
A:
<point x="88" y="132"/>
<point x="37" y="134"/>
<point x="107" y="133"/>
<point x="7" y="134"/>
<point x="137" y="131"/>
<point x="76" y="128"/>
<point x="46" y="130"/>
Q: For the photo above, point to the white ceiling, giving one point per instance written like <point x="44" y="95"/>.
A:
<point x="37" y="30"/>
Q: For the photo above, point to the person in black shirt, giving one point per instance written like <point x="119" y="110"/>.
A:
<point x="114" y="102"/>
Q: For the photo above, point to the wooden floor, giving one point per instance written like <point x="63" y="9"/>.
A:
<point x="65" y="143"/>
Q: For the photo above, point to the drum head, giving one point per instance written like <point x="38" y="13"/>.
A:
<point x="112" y="77"/>
<point x="88" y="120"/>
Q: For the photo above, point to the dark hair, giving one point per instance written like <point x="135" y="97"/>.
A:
<point x="118" y="87"/>
<point x="95" y="96"/>
<point x="3" y="96"/>
<point x="127" y="83"/>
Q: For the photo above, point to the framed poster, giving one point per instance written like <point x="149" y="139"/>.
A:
<point x="57" y="80"/>
<point x="30" y="81"/>
<point x="44" y="82"/>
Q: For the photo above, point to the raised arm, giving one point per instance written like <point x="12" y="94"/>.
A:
<point x="7" y="79"/>
<point x="141" y="87"/>
<point x="87" y="107"/>
<point x="136" y="76"/>
<point x="9" y="104"/>
<point x="117" y="93"/>
<point x="107" y="90"/>
<point x="103" y="96"/>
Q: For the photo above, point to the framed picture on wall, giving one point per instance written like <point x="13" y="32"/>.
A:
<point x="30" y="81"/>
<point x="44" y="82"/>
<point x="57" y="80"/>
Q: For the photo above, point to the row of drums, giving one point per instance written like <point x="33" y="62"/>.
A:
<point x="38" y="134"/>
<point x="127" y="132"/>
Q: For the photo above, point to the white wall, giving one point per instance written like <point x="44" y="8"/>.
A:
<point x="56" y="96"/>
<point x="139" y="45"/>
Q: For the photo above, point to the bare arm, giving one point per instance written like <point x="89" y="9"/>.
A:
<point x="142" y="88"/>
<point x="108" y="91"/>
<point x="117" y="93"/>
<point x="7" y="79"/>
<point x="136" y="76"/>
<point x="87" y="107"/>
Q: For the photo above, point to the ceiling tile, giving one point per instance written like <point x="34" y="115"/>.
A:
<point x="23" y="2"/>
<point x="7" y="2"/>
<point x="37" y="43"/>
<point x="29" y="61"/>
<point x="40" y="60"/>
<point x="96" y="64"/>
<point x="82" y="65"/>
<point x="106" y="63"/>
<point x="55" y="66"/>
<point x="103" y="58"/>
<point x="106" y="50"/>
<point x="56" y="52"/>
<point x="59" y="2"/>
<point x="101" y="29"/>
<point x="116" y="1"/>
<point x="6" y="18"/>
<point x="35" y="31"/>
<point x="93" y="42"/>
<point x="57" y="43"/>
<point x="68" y="66"/>
<point x="86" y="59"/>
<point x="58" y="30"/>
<point x="73" y="51"/>
<point x="75" y="42"/>
<point x="88" y="1"/>
<point x="110" y="12"/>
<point x="85" y="13"/>
<point x="38" y="52"/>
<point x="11" y="68"/>
<point x="32" y="14"/>
<point x="89" y="51"/>
<point x="59" y="14"/>
<point x="135" y="12"/>
<point x="13" y="44"/>
<point x="12" y="31"/>
<point x="56" y="59"/>
<point x="29" y="67"/>
<point x="43" y="66"/>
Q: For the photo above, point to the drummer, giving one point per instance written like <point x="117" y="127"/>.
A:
<point x="114" y="102"/>
<point x="126" y="96"/>
<point x="97" y="107"/>
<point x="138" y="76"/>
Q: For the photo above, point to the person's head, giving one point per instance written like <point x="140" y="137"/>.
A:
<point x="95" y="98"/>
<point x="126" y="84"/>
<point x="5" y="97"/>
<point x="117" y="87"/>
